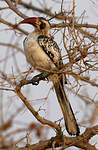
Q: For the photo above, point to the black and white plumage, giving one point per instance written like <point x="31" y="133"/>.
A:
<point x="43" y="53"/>
<point x="51" y="49"/>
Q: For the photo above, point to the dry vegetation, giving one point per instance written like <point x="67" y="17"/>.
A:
<point x="80" y="54"/>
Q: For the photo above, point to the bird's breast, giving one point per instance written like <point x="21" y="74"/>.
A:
<point x="36" y="56"/>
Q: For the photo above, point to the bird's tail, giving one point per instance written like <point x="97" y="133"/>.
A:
<point x="69" y="118"/>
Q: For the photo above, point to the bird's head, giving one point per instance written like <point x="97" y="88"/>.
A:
<point x="41" y="24"/>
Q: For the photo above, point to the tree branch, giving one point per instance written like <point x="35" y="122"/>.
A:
<point x="12" y="7"/>
<point x="64" y="142"/>
<point x="31" y="109"/>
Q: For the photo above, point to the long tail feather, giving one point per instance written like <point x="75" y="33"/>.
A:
<point x="69" y="118"/>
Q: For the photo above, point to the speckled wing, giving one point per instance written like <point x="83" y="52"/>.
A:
<point x="51" y="48"/>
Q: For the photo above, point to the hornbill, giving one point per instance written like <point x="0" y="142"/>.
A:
<point x="43" y="53"/>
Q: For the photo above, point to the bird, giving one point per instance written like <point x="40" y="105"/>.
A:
<point x="44" y="55"/>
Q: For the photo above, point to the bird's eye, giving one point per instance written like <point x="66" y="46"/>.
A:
<point x="42" y="25"/>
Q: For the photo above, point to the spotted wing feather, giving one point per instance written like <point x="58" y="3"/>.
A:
<point x="51" y="48"/>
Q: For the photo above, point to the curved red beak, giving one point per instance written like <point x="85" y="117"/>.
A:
<point x="31" y="20"/>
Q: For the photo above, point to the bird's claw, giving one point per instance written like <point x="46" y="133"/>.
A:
<point x="35" y="80"/>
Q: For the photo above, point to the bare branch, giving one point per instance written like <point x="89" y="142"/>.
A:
<point x="31" y="109"/>
<point x="12" y="7"/>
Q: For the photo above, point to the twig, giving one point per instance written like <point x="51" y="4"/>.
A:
<point x="14" y="26"/>
<point x="11" y="45"/>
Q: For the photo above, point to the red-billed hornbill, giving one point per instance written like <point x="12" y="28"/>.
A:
<point x="43" y="53"/>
